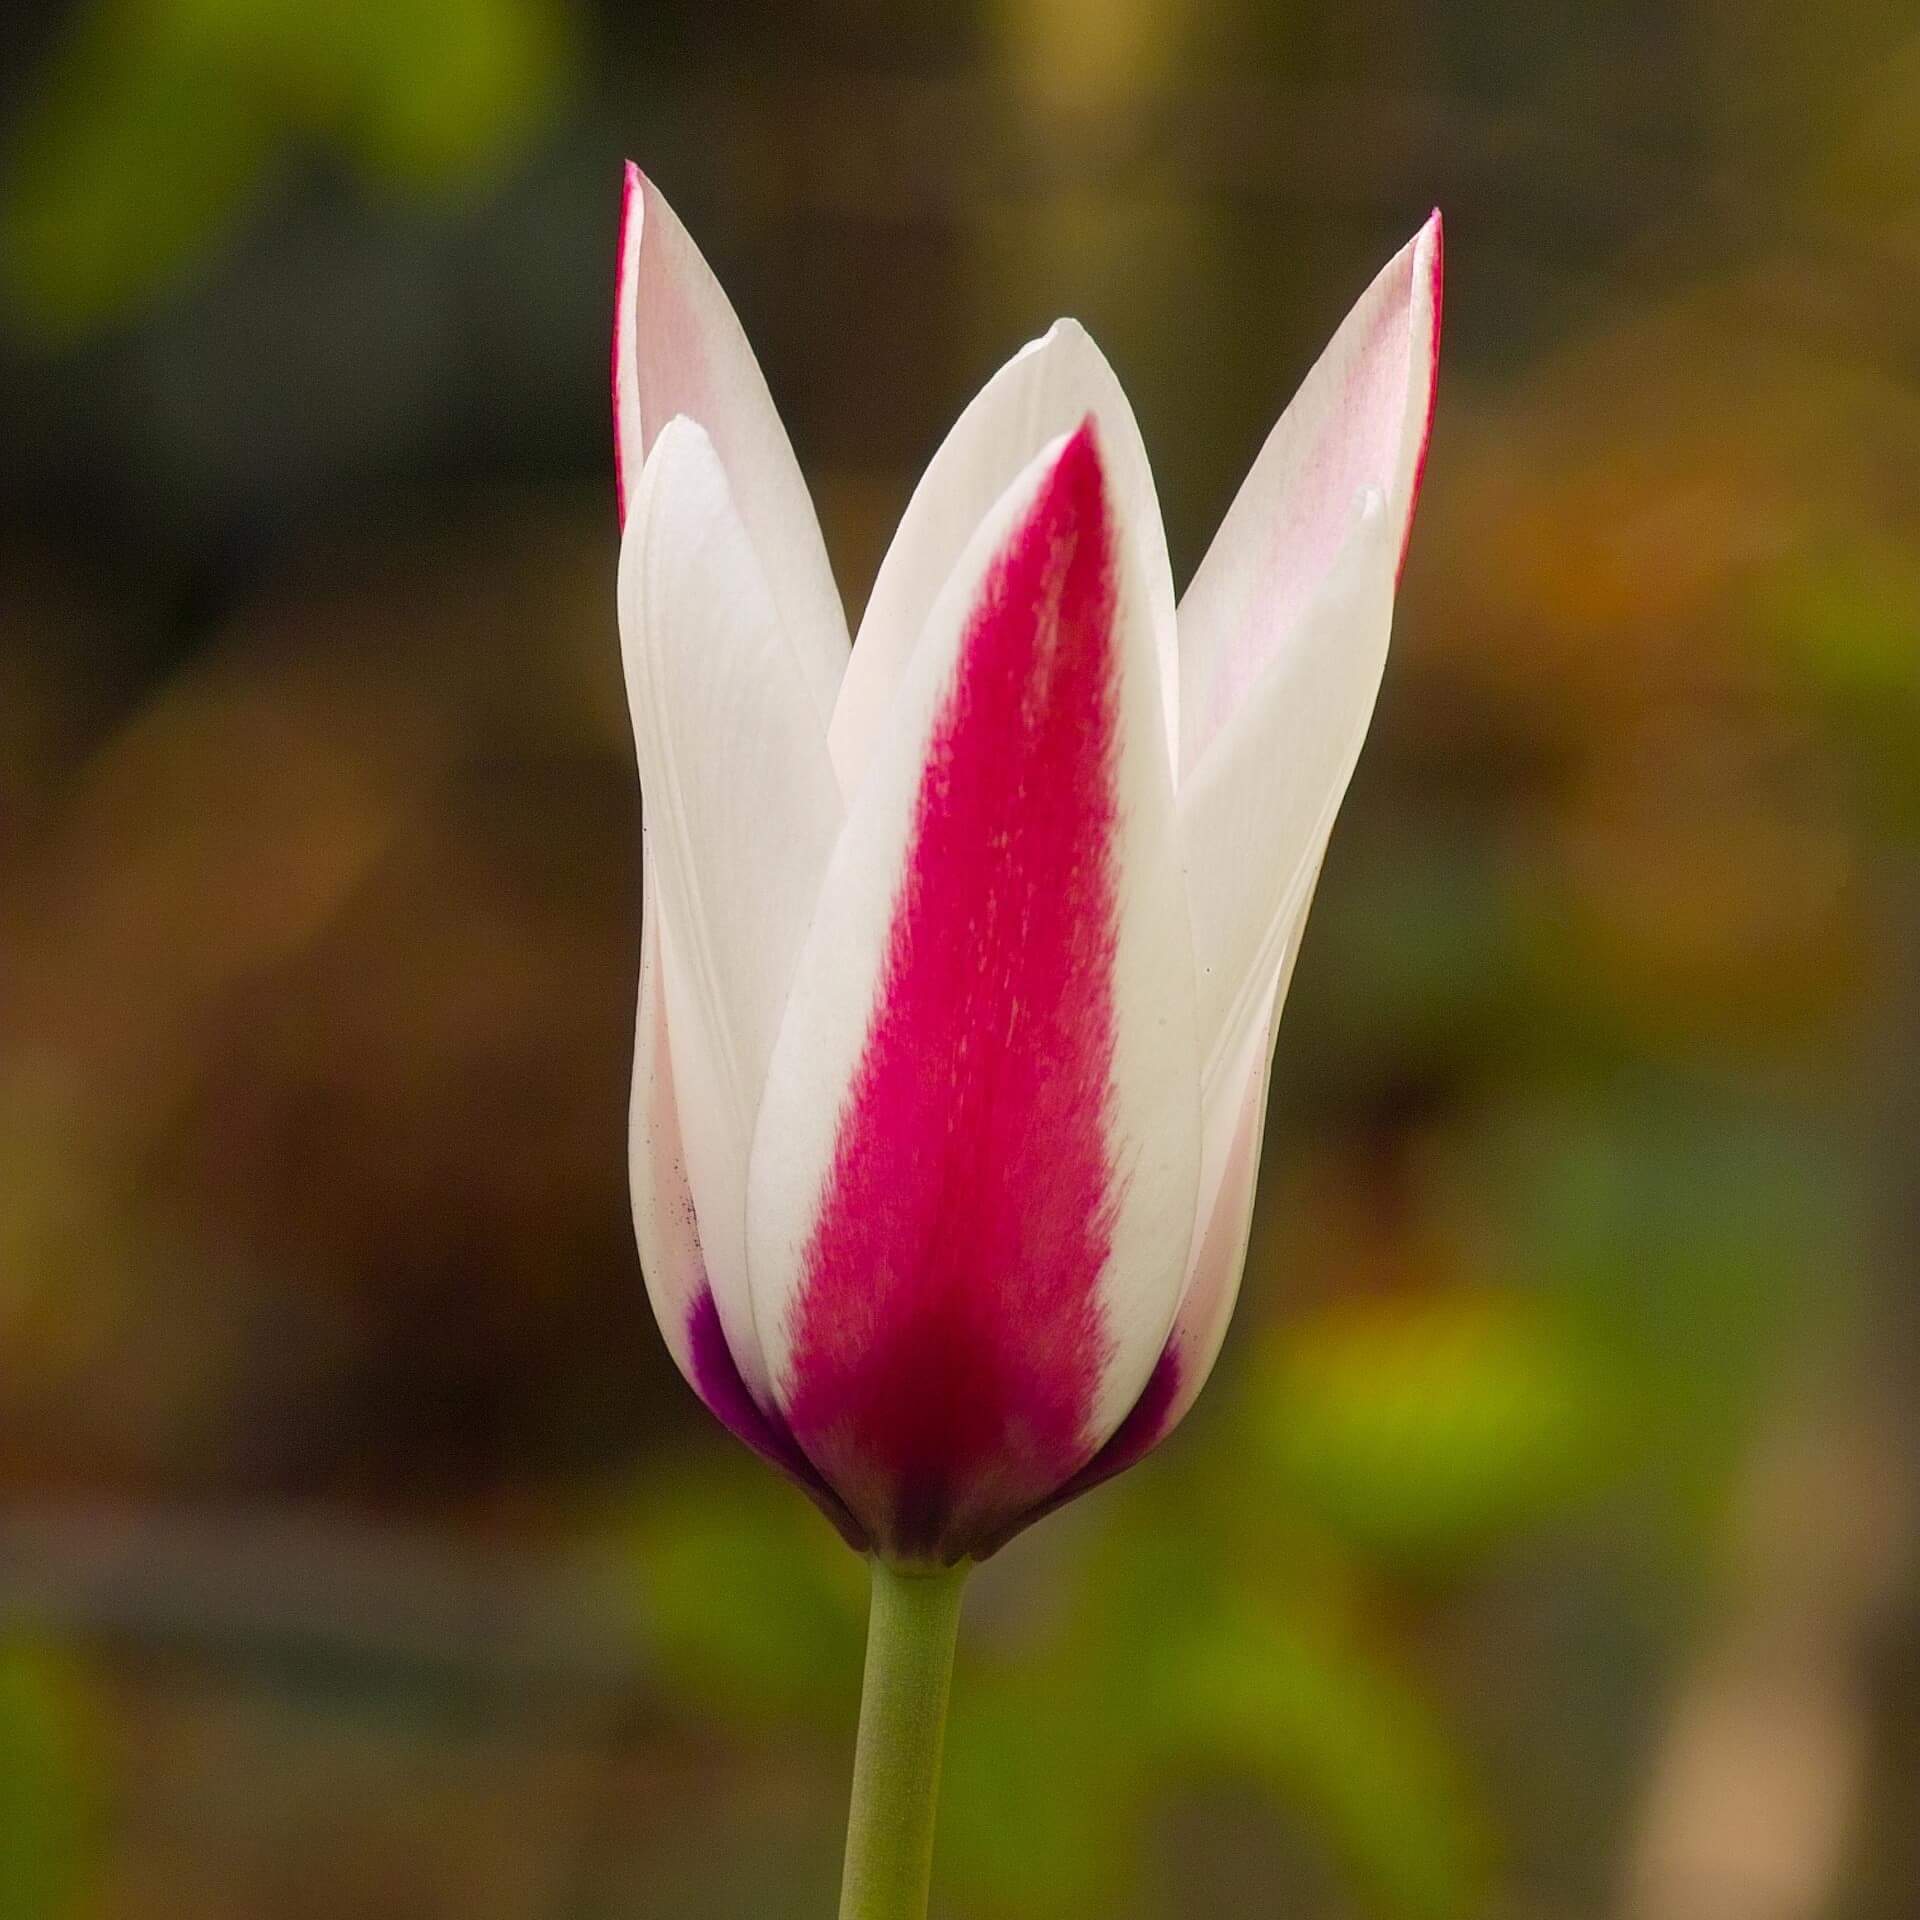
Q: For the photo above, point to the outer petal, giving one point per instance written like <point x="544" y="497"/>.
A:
<point x="679" y="349"/>
<point x="1256" y="814"/>
<point x="1283" y="641"/>
<point x="664" y="1226"/>
<point x="1220" y="1253"/>
<point x="1359" y="423"/>
<point x="973" y="1184"/>
<point x="1043" y="392"/>
<point x="743" y="809"/>
<point x="668" y="1235"/>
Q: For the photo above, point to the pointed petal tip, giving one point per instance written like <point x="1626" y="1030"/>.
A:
<point x="624" y="456"/>
<point x="1416" y="268"/>
<point x="1431" y="252"/>
<point x="1421" y="257"/>
<point x="1433" y="244"/>
<point x="633" y="192"/>
<point x="1430" y="247"/>
<point x="1063" y="333"/>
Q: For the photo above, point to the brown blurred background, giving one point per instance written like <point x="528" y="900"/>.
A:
<point x="1545" y="1547"/>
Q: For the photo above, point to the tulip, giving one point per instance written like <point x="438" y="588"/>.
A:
<point x="964" y="945"/>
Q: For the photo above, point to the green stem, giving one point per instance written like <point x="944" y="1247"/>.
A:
<point x="903" y="1725"/>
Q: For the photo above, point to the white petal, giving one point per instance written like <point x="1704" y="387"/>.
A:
<point x="678" y="348"/>
<point x="1220" y="1249"/>
<point x="1256" y="814"/>
<point x="1145" y="1112"/>
<point x="1043" y="392"/>
<point x="664" y="1226"/>
<point x="743" y="810"/>
<point x="1359" y="423"/>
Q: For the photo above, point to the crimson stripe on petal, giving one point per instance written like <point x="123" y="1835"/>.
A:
<point x="948" y="1338"/>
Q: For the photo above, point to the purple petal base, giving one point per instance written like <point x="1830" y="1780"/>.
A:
<point x="716" y="1378"/>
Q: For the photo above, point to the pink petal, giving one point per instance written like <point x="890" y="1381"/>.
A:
<point x="1284" y="640"/>
<point x="678" y="348"/>
<point x="1359" y="424"/>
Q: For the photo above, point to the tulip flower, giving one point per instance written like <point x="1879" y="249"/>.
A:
<point x="964" y="944"/>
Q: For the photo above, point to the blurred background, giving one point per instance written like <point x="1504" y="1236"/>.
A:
<point x="1544" y="1548"/>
